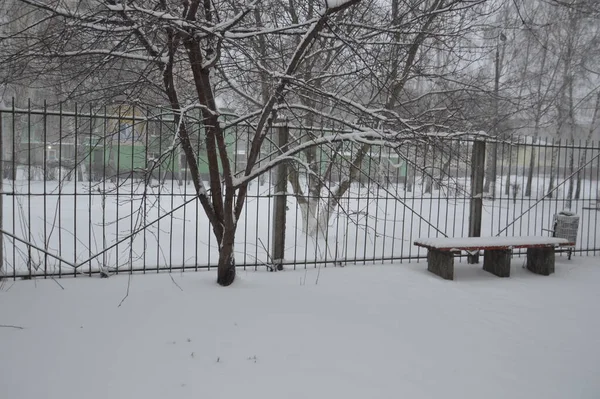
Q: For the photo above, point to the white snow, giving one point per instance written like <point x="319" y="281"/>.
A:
<point x="480" y="242"/>
<point x="362" y="228"/>
<point x="389" y="331"/>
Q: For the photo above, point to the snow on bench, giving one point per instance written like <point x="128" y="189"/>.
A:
<point x="474" y="243"/>
<point x="497" y="253"/>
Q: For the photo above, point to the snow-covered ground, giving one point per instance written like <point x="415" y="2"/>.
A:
<point x="386" y="331"/>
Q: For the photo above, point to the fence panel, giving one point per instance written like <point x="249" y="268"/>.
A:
<point x="107" y="191"/>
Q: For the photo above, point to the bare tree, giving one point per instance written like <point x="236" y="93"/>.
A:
<point x="192" y="53"/>
<point x="576" y="33"/>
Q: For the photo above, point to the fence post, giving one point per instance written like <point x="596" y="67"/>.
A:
<point x="280" y="201"/>
<point x="476" y="204"/>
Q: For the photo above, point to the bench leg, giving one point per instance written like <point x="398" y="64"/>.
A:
<point x="541" y="260"/>
<point x="441" y="263"/>
<point x="497" y="262"/>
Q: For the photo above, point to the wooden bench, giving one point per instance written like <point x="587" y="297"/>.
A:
<point x="497" y="253"/>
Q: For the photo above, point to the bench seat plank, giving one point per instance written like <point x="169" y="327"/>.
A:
<point x="490" y="243"/>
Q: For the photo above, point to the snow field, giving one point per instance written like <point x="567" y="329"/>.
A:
<point x="355" y="332"/>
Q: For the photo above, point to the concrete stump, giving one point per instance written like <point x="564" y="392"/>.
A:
<point x="441" y="263"/>
<point x="497" y="262"/>
<point x="541" y="260"/>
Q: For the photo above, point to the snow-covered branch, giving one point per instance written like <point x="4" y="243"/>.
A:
<point x="104" y="52"/>
<point x="370" y="137"/>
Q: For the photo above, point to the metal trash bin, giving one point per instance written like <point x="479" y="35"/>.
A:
<point x="566" y="225"/>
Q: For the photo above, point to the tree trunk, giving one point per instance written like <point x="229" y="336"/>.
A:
<point x="567" y="97"/>
<point x="226" y="267"/>
<point x="553" y="172"/>
<point x="571" y="170"/>
<point x="409" y="179"/>
<point x="507" y="182"/>
<point x="444" y="173"/>
<point x="315" y="217"/>
<point x="531" y="166"/>
<point x="490" y="184"/>
<point x="490" y="169"/>
<point x="582" y="158"/>
<point x="428" y="184"/>
<point x="538" y="114"/>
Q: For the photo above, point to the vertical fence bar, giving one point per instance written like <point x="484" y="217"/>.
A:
<point x="412" y="180"/>
<point x="246" y="151"/>
<point x="557" y="178"/>
<point x="376" y="176"/>
<point x="429" y="189"/>
<point x="117" y="168"/>
<point x="89" y="152"/>
<point x="398" y="169"/>
<point x="446" y="174"/>
<point x="160" y="184"/>
<point x="105" y="160"/>
<point x="386" y="181"/>
<point x="476" y="203"/>
<point x="338" y="200"/>
<point x="197" y="203"/>
<point x="29" y="177"/>
<point x="60" y="185"/>
<point x="257" y="218"/>
<point x="507" y="187"/>
<point x="15" y="155"/>
<point x="149" y="168"/>
<point x="132" y="190"/>
<point x="269" y="212"/>
<point x="368" y="199"/>
<point x="176" y="174"/>
<point x="525" y="163"/>
<point x="322" y="162"/>
<point x="542" y="192"/>
<point x="296" y="227"/>
<point x="74" y="174"/>
<point x="464" y="187"/>
<point x="45" y="177"/>
<point x="358" y="196"/>
<point x="423" y="179"/>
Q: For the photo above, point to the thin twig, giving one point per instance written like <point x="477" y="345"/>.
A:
<point x="271" y="268"/>
<point x="11" y="326"/>
<point x="174" y="282"/>
<point x="9" y="287"/>
<point x="56" y="281"/>
<point x="126" y="293"/>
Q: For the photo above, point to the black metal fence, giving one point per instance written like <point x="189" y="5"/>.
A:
<point x="107" y="191"/>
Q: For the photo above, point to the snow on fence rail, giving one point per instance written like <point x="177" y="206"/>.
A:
<point x="87" y="193"/>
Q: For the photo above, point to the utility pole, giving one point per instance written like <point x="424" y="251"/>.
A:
<point x="490" y="184"/>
